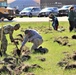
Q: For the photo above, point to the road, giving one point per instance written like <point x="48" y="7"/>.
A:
<point x="36" y="19"/>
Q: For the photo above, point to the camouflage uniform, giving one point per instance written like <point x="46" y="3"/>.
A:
<point x="6" y="30"/>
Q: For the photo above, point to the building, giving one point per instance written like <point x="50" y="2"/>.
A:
<point x="58" y="3"/>
<point x="20" y="4"/>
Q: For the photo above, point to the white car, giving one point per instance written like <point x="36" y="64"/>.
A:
<point x="29" y="11"/>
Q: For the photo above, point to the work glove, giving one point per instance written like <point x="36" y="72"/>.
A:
<point x="16" y="42"/>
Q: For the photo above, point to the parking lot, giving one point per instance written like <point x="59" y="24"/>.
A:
<point x="36" y="19"/>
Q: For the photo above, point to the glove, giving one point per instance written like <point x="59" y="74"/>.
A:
<point x="16" y="42"/>
<point x="18" y="52"/>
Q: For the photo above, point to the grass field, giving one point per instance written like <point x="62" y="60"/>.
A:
<point x="55" y="53"/>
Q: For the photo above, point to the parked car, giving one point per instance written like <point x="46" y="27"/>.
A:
<point x="63" y="11"/>
<point x="29" y="11"/>
<point x="48" y="10"/>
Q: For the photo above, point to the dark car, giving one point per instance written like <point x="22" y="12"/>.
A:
<point x="63" y="11"/>
<point x="48" y="10"/>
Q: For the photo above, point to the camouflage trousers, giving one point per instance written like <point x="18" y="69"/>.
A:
<point x="3" y="43"/>
<point x="36" y="42"/>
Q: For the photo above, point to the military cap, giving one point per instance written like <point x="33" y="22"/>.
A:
<point x="17" y="25"/>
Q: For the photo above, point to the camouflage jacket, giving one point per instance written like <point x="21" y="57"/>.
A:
<point x="8" y="29"/>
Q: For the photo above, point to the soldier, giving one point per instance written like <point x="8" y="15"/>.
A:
<point x="55" y="22"/>
<point x="32" y="36"/>
<point x="7" y="29"/>
<point x="71" y="18"/>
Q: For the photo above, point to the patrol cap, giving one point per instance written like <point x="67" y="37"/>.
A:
<point x="17" y="25"/>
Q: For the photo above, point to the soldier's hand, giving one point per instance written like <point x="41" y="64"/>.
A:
<point x="16" y="42"/>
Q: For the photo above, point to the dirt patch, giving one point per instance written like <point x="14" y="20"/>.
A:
<point x="62" y="40"/>
<point x="69" y="62"/>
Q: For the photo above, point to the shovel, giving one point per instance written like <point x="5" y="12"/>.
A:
<point x="2" y="19"/>
<point x="0" y="53"/>
<point x="17" y="50"/>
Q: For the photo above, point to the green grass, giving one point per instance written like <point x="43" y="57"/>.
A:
<point x="55" y="53"/>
